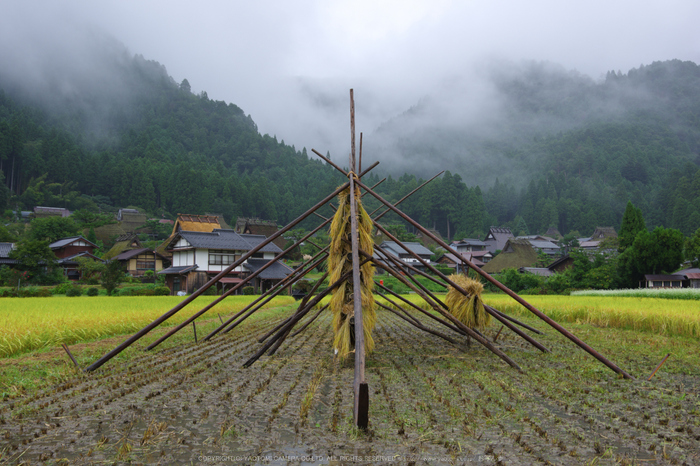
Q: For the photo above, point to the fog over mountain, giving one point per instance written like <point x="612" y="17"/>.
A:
<point x="290" y="64"/>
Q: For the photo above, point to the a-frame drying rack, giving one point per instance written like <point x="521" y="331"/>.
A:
<point x="402" y="271"/>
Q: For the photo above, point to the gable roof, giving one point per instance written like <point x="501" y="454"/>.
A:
<point x="186" y="222"/>
<point x="468" y="242"/>
<point x="67" y="241"/>
<point x="70" y="260"/>
<point x="5" y="249"/>
<point x="604" y="232"/>
<point x="123" y="243"/>
<point x="515" y="254"/>
<point x="393" y="248"/>
<point x="276" y="271"/>
<point x="227" y="240"/>
<point x="455" y="260"/>
<point x="496" y="238"/>
<point x="126" y="255"/>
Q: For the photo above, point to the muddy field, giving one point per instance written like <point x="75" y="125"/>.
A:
<point x="431" y="402"/>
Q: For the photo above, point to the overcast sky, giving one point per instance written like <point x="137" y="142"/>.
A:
<point x="290" y="63"/>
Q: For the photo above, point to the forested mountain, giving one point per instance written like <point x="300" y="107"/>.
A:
<point x="555" y="148"/>
<point x="543" y="147"/>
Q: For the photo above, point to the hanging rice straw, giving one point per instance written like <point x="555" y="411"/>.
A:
<point x="467" y="309"/>
<point x="340" y="262"/>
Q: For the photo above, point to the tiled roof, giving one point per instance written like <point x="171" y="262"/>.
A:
<point x="71" y="259"/>
<point x="126" y="255"/>
<point x="541" y="271"/>
<point x="276" y="271"/>
<point x="393" y="248"/>
<point x="468" y="242"/>
<point x="66" y="241"/>
<point x="455" y="260"/>
<point x="5" y="249"/>
<point x="227" y="240"/>
<point x="178" y="270"/>
<point x="254" y="240"/>
<point x="664" y="277"/>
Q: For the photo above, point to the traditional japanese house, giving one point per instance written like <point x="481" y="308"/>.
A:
<point x="198" y="256"/>
<point x="67" y="250"/>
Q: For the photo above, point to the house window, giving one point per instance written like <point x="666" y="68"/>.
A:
<point x="258" y="255"/>
<point x="657" y="284"/>
<point x="145" y="265"/>
<point x="218" y="257"/>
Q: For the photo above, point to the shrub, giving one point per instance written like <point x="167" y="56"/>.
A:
<point x="9" y="293"/>
<point x="248" y="290"/>
<point x="161" y="291"/>
<point x="74" y="290"/>
<point x="303" y="286"/>
<point x="446" y="270"/>
<point x="92" y="292"/>
<point x="62" y="288"/>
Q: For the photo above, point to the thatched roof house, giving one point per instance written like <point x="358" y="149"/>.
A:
<point x="515" y="254"/>
<point x="123" y="243"/>
<point x="257" y="226"/>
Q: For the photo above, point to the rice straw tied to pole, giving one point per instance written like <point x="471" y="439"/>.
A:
<point x="340" y="262"/>
<point x="467" y="309"/>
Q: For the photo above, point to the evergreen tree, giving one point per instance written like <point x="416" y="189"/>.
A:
<point x="632" y="224"/>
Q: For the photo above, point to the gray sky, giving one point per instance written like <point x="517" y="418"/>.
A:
<point x="289" y="64"/>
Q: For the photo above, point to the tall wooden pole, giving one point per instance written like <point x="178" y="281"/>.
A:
<point x="361" y="406"/>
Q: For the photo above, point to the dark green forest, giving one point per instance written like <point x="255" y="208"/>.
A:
<point x="166" y="150"/>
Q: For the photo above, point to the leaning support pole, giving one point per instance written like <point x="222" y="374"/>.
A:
<point x="471" y="332"/>
<point x="295" y="318"/>
<point x="310" y="321"/>
<point x="138" y="335"/>
<point x="278" y="290"/>
<point x="417" y="325"/>
<point x="233" y="289"/>
<point x="495" y="315"/>
<point x="488" y="308"/>
<point x="502" y="287"/>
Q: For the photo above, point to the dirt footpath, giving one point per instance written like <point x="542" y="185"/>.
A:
<point x="431" y="402"/>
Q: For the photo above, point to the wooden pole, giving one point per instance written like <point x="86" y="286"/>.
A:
<point x="491" y="311"/>
<point x="502" y="287"/>
<point x="138" y="335"/>
<point x="361" y="406"/>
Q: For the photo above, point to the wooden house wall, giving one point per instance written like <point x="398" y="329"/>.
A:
<point x="73" y="249"/>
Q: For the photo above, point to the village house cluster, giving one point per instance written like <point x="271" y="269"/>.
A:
<point x="201" y="246"/>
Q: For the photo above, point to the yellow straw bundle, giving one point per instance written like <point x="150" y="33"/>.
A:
<point x="467" y="309"/>
<point x="340" y="262"/>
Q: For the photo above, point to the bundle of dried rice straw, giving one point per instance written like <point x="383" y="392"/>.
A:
<point x="340" y="262"/>
<point x="467" y="309"/>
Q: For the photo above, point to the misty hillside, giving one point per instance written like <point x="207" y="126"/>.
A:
<point x="631" y="136"/>
<point x="531" y="146"/>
